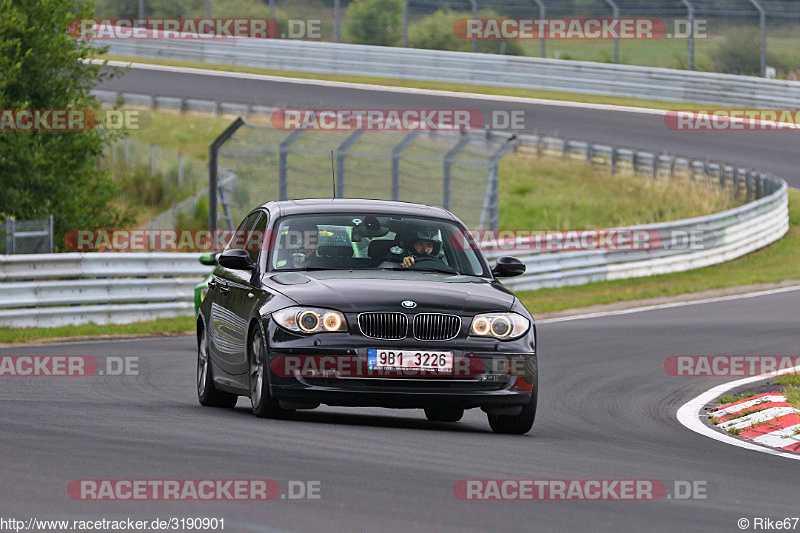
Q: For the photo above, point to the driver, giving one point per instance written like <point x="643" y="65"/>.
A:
<point x="423" y="244"/>
<point x="304" y="253"/>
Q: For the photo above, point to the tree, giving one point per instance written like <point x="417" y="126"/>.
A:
<point x="378" y="22"/>
<point x="51" y="172"/>
<point x="436" y="32"/>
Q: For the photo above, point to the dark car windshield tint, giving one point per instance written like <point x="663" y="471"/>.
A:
<point x="323" y="242"/>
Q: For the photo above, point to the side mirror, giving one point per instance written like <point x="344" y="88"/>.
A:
<point x="236" y="260"/>
<point x="507" y="267"/>
<point x="209" y="259"/>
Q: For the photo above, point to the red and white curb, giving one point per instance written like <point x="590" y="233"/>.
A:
<point x="770" y="421"/>
<point x="691" y="412"/>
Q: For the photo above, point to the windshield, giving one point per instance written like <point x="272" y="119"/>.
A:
<point x="330" y="242"/>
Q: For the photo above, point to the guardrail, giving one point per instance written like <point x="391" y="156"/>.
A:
<point x="74" y="288"/>
<point x="48" y="290"/>
<point x="471" y="68"/>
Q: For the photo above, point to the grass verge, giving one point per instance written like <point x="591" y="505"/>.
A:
<point x="792" y="396"/>
<point x="165" y="326"/>
<point x="778" y="262"/>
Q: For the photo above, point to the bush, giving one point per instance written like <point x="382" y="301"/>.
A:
<point x="435" y="32"/>
<point x="740" y="53"/>
<point x="378" y="22"/>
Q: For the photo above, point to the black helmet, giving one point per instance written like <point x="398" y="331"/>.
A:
<point x="428" y="235"/>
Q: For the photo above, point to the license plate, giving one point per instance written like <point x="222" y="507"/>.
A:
<point x="409" y="360"/>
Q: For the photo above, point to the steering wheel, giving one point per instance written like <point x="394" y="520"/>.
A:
<point x="427" y="260"/>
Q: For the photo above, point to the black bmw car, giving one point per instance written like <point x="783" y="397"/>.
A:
<point x="365" y="303"/>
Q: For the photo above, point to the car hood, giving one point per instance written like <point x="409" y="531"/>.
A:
<point x="357" y="291"/>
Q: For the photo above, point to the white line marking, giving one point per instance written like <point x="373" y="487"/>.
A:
<point x="689" y="414"/>
<point x="780" y="438"/>
<point x="756" y="418"/>
<point x="745" y="405"/>
<point x="670" y="305"/>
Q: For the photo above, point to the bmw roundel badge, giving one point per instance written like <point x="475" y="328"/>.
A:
<point x="409" y="304"/>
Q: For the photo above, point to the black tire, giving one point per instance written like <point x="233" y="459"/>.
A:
<point x="444" y="414"/>
<point x="264" y="405"/>
<point x="207" y="394"/>
<point x="515" y="424"/>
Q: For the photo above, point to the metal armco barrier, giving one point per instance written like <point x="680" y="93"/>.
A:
<point x="472" y="68"/>
<point x="129" y="287"/>
<point x="48" y="290"/>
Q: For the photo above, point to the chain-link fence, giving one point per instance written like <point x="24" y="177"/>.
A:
<point x="27" y="236"/>
<point x="163" y="177"/>
<point x="736" y="36"/>
<point x="456" y="170"/>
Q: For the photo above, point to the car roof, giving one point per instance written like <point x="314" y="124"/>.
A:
<point x="312" y="206"/>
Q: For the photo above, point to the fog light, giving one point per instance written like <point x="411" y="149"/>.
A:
<point x="331" y="321"/>
<point x="481" y="326"/>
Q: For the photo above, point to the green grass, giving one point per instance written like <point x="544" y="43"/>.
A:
<point x="730" y="398"/>
<point x="793" y="396"/>
<point x="787" y="379"/>
<point x="778" y="262"/>
<point x="165" y="326"/>
<point x="550" y="193"/>
<point x="430" y="85"/>
<point x="190" y="133"/>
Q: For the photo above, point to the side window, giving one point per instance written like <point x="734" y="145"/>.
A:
<point x="255" y="239"/>
<point x="241" y="235"/>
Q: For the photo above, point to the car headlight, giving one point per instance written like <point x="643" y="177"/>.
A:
<point x="310" y="319"/>
<point x="504" y="326"/>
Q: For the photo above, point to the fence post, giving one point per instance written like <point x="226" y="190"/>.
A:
<point x="180" y="169"/>
<point x="397" y="152"/>
<point x="690" y="10"/>
<point x="474" y="16"/>
<point x="614" y="158"/>
<point x="762" y="21"/>
<point x="127" y="152"/>
<point x="283" y="163"/>
<point x="542" y="38"/>
<point x="405" y="23"/>
<point x="51" y="249"/>
<point x="10" y="237"/>
<point x="212" y="170"/>
<point x="491" y="198"/>
<point x="448" y="160"/>
<point x="615" y="11"/>
<point x="337" y="20"/>
<point x="341" y="153"/>
<point x="152" y="159"/>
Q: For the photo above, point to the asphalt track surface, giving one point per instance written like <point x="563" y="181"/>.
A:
<point x="770" y="151"/>
<point x="607" y="411"/>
